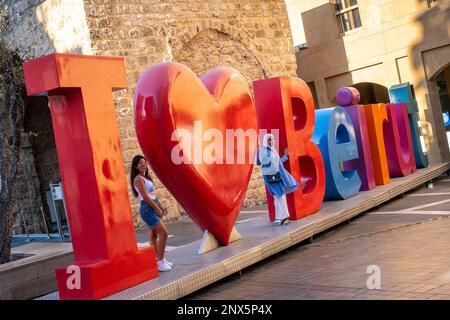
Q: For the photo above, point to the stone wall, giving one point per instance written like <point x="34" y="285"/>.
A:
<point x="37" y="28"/>
<point x="251" y="36"/>
<point x="28" y="202"/>
<point x="38" y="126"/>
<point x="28" y="194"/>
<point x="40" y="27"/>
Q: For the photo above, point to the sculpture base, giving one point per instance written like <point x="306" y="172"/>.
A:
<point x="209" y="242"/>
<point x="101" y="279"/>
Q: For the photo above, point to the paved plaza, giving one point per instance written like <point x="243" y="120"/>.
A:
<point x="408" y="239"/>
<point x="404" y="241"/>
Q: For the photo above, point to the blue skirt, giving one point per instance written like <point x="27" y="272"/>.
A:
<point x="287" y="184"/>
<point x="149" y="215"/>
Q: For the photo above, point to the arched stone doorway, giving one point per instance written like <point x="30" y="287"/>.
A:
<point x="434" y="84"/>
<point x="442" y="83"/>
<point x="211" y="48"/>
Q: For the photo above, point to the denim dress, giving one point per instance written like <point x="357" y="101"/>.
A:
<point x="148" y="213"/>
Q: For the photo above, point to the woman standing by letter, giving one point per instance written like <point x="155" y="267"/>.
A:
<point x="277" y="179"/>
<point x="143" y="186"/>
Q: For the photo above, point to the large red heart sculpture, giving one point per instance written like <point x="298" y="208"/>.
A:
<point x="169" y="99"/>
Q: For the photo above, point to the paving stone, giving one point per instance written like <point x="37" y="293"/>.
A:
<point x="412" y="257"/>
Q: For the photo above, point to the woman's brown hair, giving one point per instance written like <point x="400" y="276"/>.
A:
<point x="135" y="172"/>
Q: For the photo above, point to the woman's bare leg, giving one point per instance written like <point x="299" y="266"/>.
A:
<point x="153" y="239"/>
<point x="161" y="230"/>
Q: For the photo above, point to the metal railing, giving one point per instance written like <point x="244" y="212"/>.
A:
<point x="23" y="223"/>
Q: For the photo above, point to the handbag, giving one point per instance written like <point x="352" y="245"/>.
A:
<point x="273" y="178"/>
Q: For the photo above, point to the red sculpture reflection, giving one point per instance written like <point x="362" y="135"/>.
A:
<point x="177" y="116"/>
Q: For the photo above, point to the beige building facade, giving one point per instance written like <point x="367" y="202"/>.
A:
<point x="374" y="44"/>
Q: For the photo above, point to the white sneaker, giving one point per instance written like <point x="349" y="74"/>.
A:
<point x="162" y="266"/>
<point x="170" y="264"/>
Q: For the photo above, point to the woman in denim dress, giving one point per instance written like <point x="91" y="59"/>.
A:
<point x="277" y="179"/>
<point x="143" y="186"/>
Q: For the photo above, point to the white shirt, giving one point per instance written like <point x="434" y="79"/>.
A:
<point x="149" y="187"/>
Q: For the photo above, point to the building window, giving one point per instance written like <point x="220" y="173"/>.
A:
<point x="347" y="12"/>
